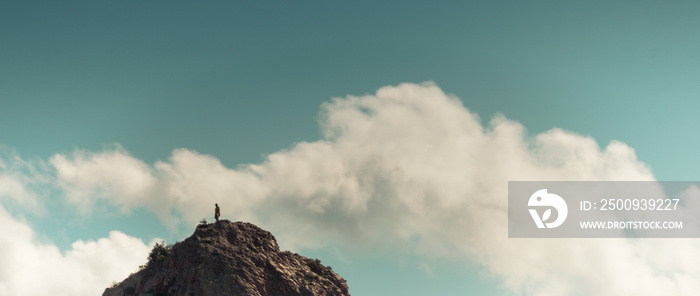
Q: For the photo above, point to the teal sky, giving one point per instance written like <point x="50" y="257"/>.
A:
<point x="242" y="79"/>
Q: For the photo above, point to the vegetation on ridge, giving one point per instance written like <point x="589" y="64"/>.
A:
<point x="159" y="252"/>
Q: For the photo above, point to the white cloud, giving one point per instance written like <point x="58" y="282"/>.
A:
<point x="192" y="183"/>
<point x="13" y="187"/>
<point x="31" y="268"/>
<point x="407" y="168"/>
<point x="189" y="182"/>
<point x="17" y="177"/>
<point x="113" y="175"/>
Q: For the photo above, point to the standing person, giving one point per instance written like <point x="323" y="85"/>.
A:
<point x="217" y="212"/>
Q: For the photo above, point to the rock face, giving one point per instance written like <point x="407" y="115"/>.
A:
<point x="227" y="258"/>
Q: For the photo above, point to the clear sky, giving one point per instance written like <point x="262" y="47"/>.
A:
<point x="136" y="116"/>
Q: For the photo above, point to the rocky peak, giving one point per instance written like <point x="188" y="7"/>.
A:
<point x="226" y="234"/>
<point x="231" y="258"/>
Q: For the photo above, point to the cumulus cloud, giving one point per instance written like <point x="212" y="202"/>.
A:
<point x="13" y="187"/>
<point x="32" y="268"/>
<point x="20" y="178"/>
<point x="188" y="182"/>
<point x="407" y="168"/>
<point x="113" y="175"/>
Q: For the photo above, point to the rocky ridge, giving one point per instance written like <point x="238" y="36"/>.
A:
<point x="231" y="258"/>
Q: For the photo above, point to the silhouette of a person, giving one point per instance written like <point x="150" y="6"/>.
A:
<point x="217" y="212"/>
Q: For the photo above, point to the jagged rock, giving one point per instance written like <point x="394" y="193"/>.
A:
<point x="227" y="258"/>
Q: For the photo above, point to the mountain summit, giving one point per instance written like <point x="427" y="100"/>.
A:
<point x="230" y="258"/>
